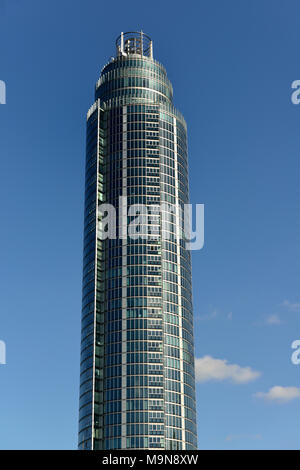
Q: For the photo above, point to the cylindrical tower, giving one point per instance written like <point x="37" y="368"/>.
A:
<point x="137" y="352"/>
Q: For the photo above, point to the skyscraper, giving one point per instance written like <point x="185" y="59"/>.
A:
<point x="137" y="352"/>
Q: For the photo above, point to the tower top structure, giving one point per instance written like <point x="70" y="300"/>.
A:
<point x="134" y="43"/>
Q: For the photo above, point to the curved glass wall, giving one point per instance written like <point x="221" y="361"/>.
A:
<point x="137" y="354"/>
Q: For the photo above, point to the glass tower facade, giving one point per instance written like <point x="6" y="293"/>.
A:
<point x="137" y="384"/>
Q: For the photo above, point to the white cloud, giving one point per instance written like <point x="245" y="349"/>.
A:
<point x="208" y="316"/>
<point x="208" y="368"/>
<point x="213" y="315"/>
<point x="294" y="307"/>
<point x="273" y="319"/>
<point x="280" y="394"/>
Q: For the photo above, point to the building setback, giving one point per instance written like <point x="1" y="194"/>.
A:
<point x="137" y="385"/>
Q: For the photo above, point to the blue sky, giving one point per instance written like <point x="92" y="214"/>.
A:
<point x="231" y="64"/>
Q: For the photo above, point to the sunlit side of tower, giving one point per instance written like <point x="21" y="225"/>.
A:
<point x="137" y="385"/>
